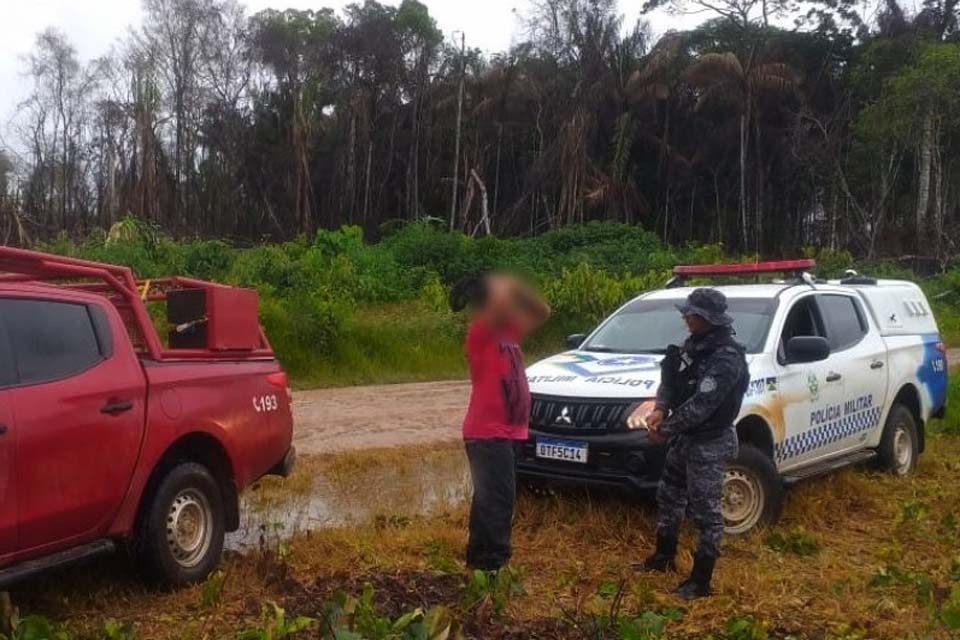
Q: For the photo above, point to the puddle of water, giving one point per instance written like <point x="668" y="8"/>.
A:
<point x="392" y="491"/>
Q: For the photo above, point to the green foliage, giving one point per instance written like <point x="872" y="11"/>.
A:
<point x="116" y="630"/>
<point x="830" y="263"/>
<point x="797" y="542"/>
<point x="649" y="625"/>
<point x="211" y="592"/>
<point x="913" y="512"/>
<point x="357" y="618"/>
<point x="493" y="588"/>
<point x="745" y="628"/>
<point x="274" y="625"/>
<point x="950" y="610"/>
<point x="339" y="310"/>
<point x="34" y="628"/>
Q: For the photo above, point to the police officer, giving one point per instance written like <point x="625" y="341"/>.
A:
<point x="702" y="387"/>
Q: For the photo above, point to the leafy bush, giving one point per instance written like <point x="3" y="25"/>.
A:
<point x="370" y="312"/>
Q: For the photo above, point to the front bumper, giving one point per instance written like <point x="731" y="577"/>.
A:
<point x="626" y="460"/>
<point x="285" y="467"/>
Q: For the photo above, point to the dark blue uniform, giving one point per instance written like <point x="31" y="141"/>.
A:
<point x="702" y="386"/>
<point x="701" y="390"/>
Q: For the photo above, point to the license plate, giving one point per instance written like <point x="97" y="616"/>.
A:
<point x="566" y="450"/>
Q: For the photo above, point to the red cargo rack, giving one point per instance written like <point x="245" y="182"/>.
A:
<point x="231" y="313"/>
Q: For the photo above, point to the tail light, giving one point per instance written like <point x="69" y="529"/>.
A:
<point x="942" y="348"/>
<point x="281" y="380"/>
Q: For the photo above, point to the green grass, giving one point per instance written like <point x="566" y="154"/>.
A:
<point x="398" y="342"/>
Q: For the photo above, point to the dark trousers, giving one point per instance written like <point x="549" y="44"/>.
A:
<point x="692" y="482"/>
<point x="493" y="469"/>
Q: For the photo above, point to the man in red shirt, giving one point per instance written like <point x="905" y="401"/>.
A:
<point x="504" y="311"/>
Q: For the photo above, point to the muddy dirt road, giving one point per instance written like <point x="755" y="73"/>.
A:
<point x="332" y="420"/>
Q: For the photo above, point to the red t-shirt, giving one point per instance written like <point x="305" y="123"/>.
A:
<point x="500" y="397"/>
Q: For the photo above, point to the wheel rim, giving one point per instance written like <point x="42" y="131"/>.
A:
<point x="742" y="501"/>
<point x="902" y="450"/>
<point x="189" y="528"/>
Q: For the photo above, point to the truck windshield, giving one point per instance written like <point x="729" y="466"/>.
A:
<point x="649" y="326"/>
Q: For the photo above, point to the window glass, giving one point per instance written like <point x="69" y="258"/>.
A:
<point x="50" y="340"/>
<point x="845" y="325"/>
<point x="649" y="326"/>
<point x="8" y="369"/>
<point x="802" y="320"/>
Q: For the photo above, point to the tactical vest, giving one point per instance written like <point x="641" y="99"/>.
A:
<point x="693" y="360"/>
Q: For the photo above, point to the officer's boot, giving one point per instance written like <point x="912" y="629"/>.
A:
<point x="662" y="558"/>
<point x="698" y="584"/>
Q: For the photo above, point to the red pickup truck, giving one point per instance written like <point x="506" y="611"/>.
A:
<point x="109" y="433"/>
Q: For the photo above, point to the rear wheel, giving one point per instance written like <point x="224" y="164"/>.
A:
<point x="898" y="444"/>
<point x="752" y="492"/>
<point x="181" y="534"/>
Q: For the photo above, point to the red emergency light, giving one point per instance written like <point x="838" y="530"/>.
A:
<point x="740" y="269"/>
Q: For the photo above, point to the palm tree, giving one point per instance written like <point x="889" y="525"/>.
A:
<point x="722" y="79"/>
<point x="658" y="82"/>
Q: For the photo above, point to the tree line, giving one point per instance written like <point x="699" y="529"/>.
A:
<point x="839" y="131"/>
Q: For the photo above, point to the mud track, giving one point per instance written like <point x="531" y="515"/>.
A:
<point x="334" y="420"/>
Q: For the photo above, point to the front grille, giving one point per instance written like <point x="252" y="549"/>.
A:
<point x="552" y="413"/>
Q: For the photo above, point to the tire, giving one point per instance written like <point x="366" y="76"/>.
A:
<point x="180" y="538"/>
<point x="899" y="444"/>
<point x="752" y="492"/>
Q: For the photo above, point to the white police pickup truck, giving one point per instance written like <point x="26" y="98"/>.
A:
<point x="841" y="372"/>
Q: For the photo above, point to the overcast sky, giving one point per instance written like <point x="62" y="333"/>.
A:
<point x="94" y="25"/>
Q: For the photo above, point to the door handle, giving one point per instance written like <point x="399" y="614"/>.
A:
<point x="116" y="407"/>
<point x="833" y="377"/>
<point x="876" y="364"/>
<point x="3" y="429"/>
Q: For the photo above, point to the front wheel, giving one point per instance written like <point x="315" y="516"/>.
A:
<point x="898" y="448"/>
<point x="752" y="492"/>
<point x="181" y="534"/>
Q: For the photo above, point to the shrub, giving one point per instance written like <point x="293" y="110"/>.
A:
<point x="310" y="287"/>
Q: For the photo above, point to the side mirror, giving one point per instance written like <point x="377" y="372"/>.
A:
<point x="574" y="341"/>
<point x="801" y="349"/>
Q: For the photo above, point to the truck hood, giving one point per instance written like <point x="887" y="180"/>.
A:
<point x="596" y="375"/>
<point x="582" y="374"/>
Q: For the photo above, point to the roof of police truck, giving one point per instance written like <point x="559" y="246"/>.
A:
<point x="767" y="290"/>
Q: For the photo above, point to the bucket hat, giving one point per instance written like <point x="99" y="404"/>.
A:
<point x="709" y="304"/>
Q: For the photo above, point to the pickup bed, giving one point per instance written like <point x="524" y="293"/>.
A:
<point x="107" y="434"/>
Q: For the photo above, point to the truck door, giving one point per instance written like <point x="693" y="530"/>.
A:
<point x="79" y="403"/>
<point x="858" y="356"/>
<point x="808" y="392"/>
<point x="8" y="494"/>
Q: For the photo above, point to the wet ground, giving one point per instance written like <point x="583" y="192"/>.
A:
<point x="391" y="490"/>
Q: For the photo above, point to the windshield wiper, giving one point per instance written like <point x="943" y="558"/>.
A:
<point x="599" y="349"/>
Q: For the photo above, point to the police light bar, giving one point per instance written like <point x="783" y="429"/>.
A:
<point x="774" y="266"/>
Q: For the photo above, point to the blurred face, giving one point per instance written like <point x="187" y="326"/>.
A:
<point x="696" y="325"/>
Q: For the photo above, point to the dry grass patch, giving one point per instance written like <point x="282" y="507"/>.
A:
<point x="857" y="554"/>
